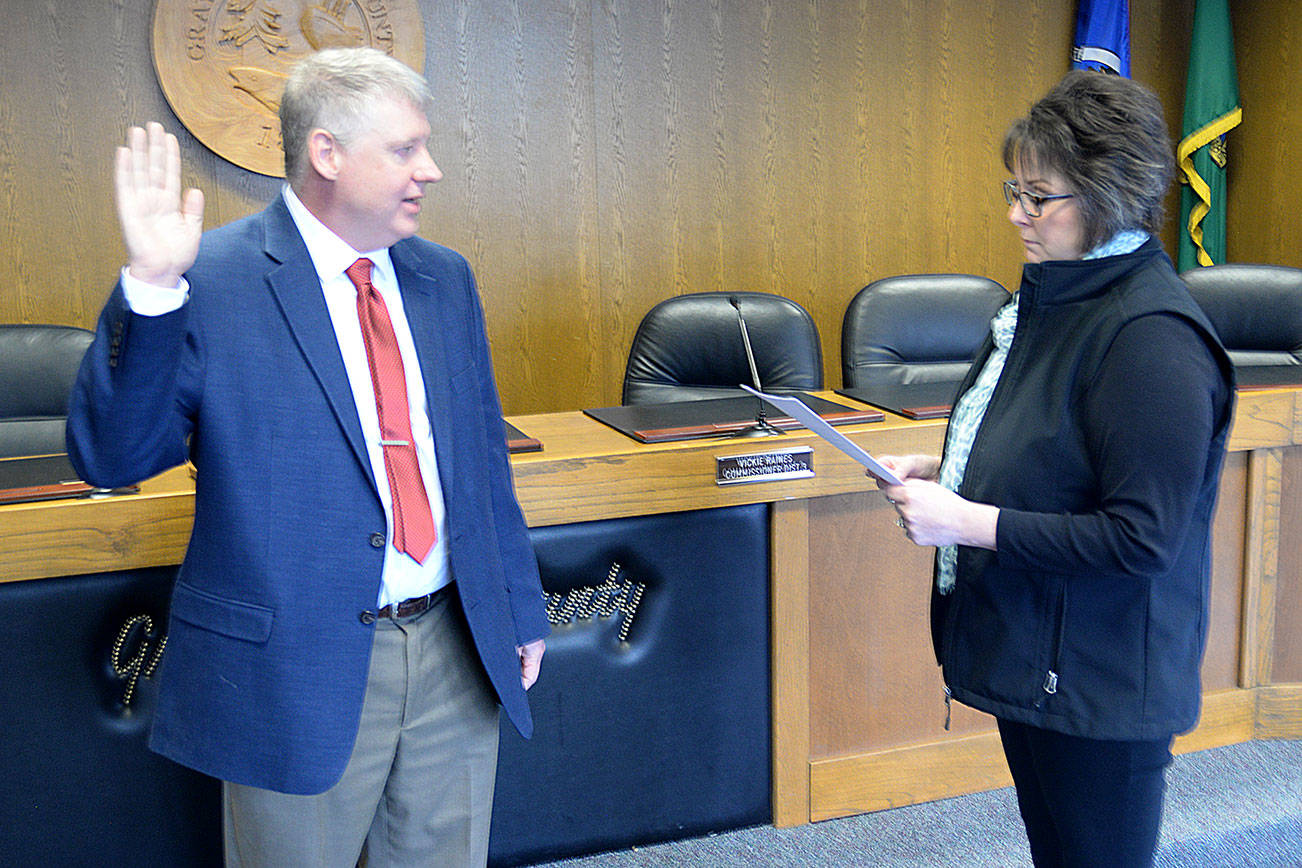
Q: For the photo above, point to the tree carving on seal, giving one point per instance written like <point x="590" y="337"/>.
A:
<point x="222" y="64"/>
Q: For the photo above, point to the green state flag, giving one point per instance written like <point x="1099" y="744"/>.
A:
<point x="1211" y="109"/>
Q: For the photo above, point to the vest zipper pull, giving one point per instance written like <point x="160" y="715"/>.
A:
<point x="948" y="696"/>
<point x="1051" y="683"/>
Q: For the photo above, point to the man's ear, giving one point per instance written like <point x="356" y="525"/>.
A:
<point x="324" y="154"/>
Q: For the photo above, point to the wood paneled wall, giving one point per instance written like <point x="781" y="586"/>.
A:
<point x="1263" y="222"/>
<point x="602" y="155"/>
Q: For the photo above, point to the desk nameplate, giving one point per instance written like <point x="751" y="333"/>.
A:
<point x="797" y="463"/>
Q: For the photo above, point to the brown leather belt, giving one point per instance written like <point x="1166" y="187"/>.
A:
<point x="415" y="605"/>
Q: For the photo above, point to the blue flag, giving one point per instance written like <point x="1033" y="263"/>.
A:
<point x="1102" y="36"/>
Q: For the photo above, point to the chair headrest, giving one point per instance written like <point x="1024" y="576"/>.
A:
<point x="690" y="347"/>
<point x="38" y="365"/>
<point x="1255" y="309"/>
<point x="916" y="322"/>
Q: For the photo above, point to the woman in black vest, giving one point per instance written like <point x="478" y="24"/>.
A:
<point x="1073" y="504"/>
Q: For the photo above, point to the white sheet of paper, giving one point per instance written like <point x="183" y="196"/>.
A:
<point x="799" y="410"/>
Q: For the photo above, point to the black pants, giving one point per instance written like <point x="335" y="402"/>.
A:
<point x="1087" y="802"/>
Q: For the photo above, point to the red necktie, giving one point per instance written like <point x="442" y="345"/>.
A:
<point x="413" y="525"/>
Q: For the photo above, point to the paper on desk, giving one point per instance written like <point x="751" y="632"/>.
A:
<point x="799" y="410"/>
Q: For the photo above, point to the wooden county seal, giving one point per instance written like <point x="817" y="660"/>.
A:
<point x="222" y="63"/>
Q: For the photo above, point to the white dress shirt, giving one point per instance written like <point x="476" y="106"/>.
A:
<point x="402" y="577"/>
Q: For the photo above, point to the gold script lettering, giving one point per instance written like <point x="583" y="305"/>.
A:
<point x="143" y="663"/>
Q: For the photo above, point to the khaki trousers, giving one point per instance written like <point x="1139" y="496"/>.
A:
<point x="418" y="788"/>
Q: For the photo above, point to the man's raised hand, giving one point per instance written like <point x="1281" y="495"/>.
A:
<point x="160" y="227"/>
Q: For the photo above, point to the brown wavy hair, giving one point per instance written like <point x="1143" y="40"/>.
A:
<point x="1107" y="137"/>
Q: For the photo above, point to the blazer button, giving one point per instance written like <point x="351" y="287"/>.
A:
<point x="366" y="617"/>
<point x="377" y="540"/>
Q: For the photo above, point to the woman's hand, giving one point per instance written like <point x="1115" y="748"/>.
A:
<point x="911" y="466"/>
<point x="932" y="515"/>
<point x="929" y="513"/>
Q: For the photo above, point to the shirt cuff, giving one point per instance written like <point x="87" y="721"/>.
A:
<point x="147" y="299"/>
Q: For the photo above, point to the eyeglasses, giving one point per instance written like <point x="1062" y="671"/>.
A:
<point x="1032" y="203"/>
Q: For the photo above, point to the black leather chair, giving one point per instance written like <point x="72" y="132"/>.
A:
<point x="38" y="364"/>
<point x="916" y="328"/>
<point x="1255" y="309"/>
<point x="689" y="347"/>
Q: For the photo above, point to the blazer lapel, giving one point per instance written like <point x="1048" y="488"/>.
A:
<point x="297" y="289"/>
<point x="434" y="336"/>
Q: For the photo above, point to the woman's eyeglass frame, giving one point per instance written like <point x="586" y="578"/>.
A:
<point x="1032" y="203"/>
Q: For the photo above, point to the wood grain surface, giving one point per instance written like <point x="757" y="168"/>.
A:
<point x="602" y="156"/>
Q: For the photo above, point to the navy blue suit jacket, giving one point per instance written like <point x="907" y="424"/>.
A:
<point x="267" y="652"/>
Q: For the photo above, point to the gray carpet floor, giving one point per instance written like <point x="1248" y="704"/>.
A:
<point x="1233" y="806"/>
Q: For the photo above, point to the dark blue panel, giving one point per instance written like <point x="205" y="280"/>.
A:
<point x="663" y="735"/>
<point x="78" y="785"/>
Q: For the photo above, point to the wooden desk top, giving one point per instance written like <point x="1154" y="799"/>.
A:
<point x="92" y="535"/>
<point x="585" y="471"/>
<point x="1267" y="418"/>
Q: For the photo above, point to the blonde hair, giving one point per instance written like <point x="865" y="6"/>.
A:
<point x="334" y="90"/>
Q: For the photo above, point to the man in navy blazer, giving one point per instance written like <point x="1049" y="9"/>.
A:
<point x="344" y="691"/>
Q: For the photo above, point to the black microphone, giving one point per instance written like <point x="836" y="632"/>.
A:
<point x="762" y="426"/>
<point x="745" y="339"/>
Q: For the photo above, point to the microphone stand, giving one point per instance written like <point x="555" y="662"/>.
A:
<point x="762" y="427"/>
